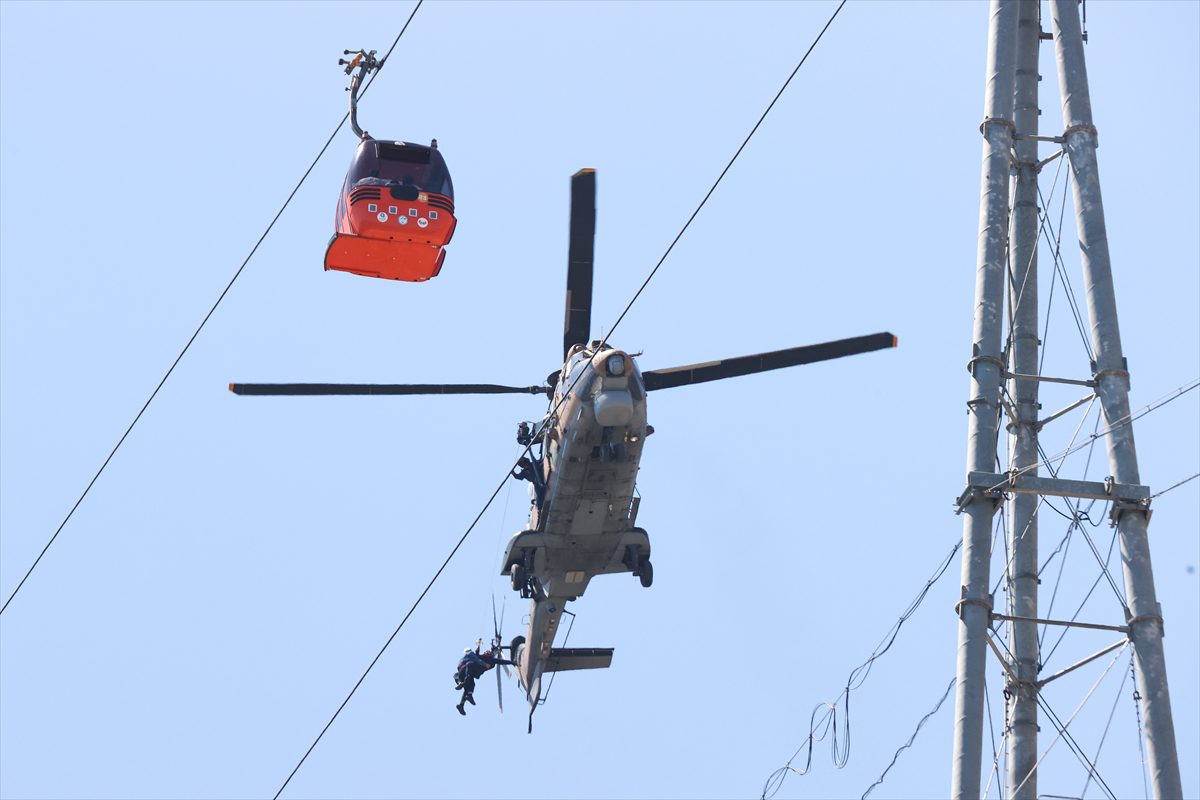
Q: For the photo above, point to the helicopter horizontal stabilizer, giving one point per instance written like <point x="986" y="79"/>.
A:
<point x="563" y="659"/>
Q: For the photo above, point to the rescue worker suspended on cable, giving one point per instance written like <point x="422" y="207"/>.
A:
<point x="470" y="667"/>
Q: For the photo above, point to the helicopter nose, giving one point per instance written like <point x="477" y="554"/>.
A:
<point x="614" y="407"/>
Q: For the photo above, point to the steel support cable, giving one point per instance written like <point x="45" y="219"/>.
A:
<point x="721" y="177"/>
<point x="1062" y="565"/>
<point x="1128" y="419"/>
<point x="1042" y="222"/>
<point x="995" y="770"/>
<point x="1076" y="522"/>
<point x="1045" y="330"/>
<point x="1073" y="746"/>
<point x="1090" y="443"/>
<point x="1071" y="442"/>
<point x="1001" y="524"/>
<point x="1079" y="610"/>
<point x="1013" y="307"/>
<point x="1104" y="735"/>
<point x="856" y="678"/>
<point x="1065" y="541"/>
<point x="1103" y="563"/>
<point x="1061" y="272"/>
<point x="396" y="632"/>
<point x="203" y="322"/>
<point x="421" y="597"/>
<point x="1175" y="486"/>
<point x="1137" y="710"/>
<point x="1061" y="727"/>
<point x="911" y="739"/>
<point x="1045" y="221"/>
<point x="507" y="474"/>
<point x="1076" y="517"/>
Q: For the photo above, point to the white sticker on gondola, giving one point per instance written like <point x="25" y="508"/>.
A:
<point x="382" y="216"/>
<point x="402" y="220"/>
<point x="412" y="212"/>
<point x="391" y="209"/>
<point x="423" y="223"/>
<point x="372" y="207"/>
<point x="432" y="214"/>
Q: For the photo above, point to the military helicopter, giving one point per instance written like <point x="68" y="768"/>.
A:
<point x="582" y="457"/>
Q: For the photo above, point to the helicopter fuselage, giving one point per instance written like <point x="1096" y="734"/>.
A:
<point x="581" y="521"/>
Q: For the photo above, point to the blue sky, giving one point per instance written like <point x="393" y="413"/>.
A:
<point x="241" y="560"/>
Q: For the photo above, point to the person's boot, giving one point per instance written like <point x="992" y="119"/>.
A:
<point x="469" y="697"/>
<point x="460" y="708"/>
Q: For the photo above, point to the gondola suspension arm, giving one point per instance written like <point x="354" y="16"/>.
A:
<point x="364" y="62"/>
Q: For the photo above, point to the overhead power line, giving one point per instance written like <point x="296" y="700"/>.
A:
<point x="820" y="726"/>
<point x="911" y="739"/>
<point x="507" y="473"/>
<point x="1175" y="486"/>
<point x="1128" y="419"/>
<point x="203" y="322"/>
<point x="721" y="177"/>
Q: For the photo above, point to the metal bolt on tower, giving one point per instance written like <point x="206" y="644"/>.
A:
<point x="1005" y="382"/>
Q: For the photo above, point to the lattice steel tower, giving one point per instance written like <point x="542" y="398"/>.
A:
<point x="1005" y="383"/>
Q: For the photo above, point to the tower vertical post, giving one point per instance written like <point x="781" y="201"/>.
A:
<point x="1112" y="377"/>
<point x="1023" y="428"/>
<point x="986" y="367"/>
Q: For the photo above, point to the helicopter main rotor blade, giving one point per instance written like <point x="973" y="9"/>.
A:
<point x="763" y="362"/>
<point x="315" y="389"/>
<point x="580" y="252"/>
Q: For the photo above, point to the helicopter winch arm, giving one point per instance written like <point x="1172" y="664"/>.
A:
<point x="317" y="389"/>
<point x="763" y="362"/>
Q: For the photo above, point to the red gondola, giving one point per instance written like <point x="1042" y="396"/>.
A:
<point x="396" y="211"/>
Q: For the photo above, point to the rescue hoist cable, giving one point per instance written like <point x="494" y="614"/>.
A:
<point x="203" y="322"/>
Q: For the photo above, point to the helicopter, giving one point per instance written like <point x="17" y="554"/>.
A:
<point x="582" y="458"/>
<point x="395" y="214"/>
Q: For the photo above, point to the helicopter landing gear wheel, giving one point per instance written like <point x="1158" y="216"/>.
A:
<point x="645" y="573"/>
<point x="520" y="582"/>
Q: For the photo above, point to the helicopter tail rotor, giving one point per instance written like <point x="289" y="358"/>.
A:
<point x="498" y="650"/>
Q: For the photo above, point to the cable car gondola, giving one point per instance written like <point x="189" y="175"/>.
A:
<point x="396" y="211"/>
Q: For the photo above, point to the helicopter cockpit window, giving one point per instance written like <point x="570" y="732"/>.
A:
<point x="573" y="363"/>
<point x="576" y="377"/>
